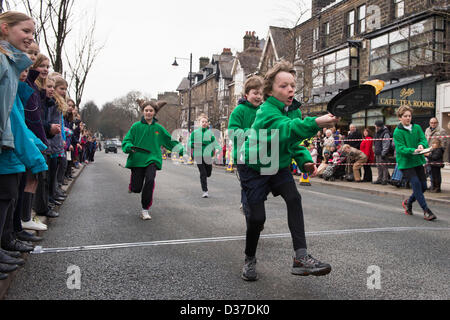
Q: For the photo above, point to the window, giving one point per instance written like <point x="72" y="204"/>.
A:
<point x="399" y="7"/>
<point x="326" y="34"/>
<point x="418" y="44"/>
<point x="298" y="43"/>
<point x="316" y="39"/>
<point x="362" y="19"/>
<point x="351" y="24"/>
<point x="332" y="69"/>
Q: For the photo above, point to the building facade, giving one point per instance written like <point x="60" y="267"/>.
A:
<point x="347" y="42"/>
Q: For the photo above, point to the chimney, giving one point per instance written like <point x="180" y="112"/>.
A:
<point x="204" y="61"/>
<point x="227" y="52"/>
<point x="247" y="40"/>
<point x="318" y="5"/>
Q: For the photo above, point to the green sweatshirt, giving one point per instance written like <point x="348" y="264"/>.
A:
<point x="241" y="121"/>
<point x="273" y="115"/>
<point x="203" y="140"/>
<point x="150" y="137"/>
<point x="302" y="155"/>
<point x="406" y="143"/>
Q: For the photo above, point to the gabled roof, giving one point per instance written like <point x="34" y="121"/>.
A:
<point x="184" y="85"/>
<point x="249" y="59"/>
<point x="281" y="41"/>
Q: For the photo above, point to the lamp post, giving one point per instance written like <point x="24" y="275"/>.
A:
<point x="175" y="64"/>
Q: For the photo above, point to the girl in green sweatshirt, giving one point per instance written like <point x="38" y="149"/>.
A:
<point x="272" y="144"/>
<point x="410" y="141"/>
<point x="143" y="144"/>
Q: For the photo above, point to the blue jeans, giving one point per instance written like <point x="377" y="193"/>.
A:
<point x="418" y="181"/>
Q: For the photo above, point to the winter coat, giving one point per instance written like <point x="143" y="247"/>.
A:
<point x="54" y="116"/>
<point x="406" y="143"/>
<point x="436" y="156"/>
<point x="354" y="136"/>
<point x="24" y="93"/>
<point x="272" y="116"/>
<point x="11" y="66"/>
<point x="438" y="132"/>
<point x="33" y="108"/>
<point x="367" y="148"/>
<point x="150" y="137"/>
<point x="382" y="146"/>
<point x="356" y="155"/>
<point x="26" y="154"/>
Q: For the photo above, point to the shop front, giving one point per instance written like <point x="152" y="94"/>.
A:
<point x="420" y="95"/>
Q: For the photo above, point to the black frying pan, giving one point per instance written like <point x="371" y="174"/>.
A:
<point x="353" y="100"/>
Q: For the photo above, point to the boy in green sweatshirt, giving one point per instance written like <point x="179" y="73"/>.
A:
<point x="410" y="141"/>
<point x="241" y="120"/>
<point x="143" y="144"/>
<point x="272" y="144"/>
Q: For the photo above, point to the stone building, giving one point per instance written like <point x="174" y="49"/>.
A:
<point x="210" y="90"/>
<point x="244" y="65"/>
<point x="347" y="42"/>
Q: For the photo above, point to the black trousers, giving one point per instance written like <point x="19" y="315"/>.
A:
<point x="437" y="177"/>
<point x="256" y="219"/>
<point x="205" y="173"/>
<point x="368" y="173"/>
<point x="9" y="193"/>
<point x="143" y="180"/>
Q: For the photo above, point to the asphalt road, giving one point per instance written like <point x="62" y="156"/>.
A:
<point x="193" y="247"/>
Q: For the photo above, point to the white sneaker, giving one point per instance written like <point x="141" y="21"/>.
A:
<point x="145" y="215"/>
<point x="205" y="195"/>
<point x="33" y="225"/>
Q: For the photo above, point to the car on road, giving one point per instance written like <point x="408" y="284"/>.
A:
<point x="110" y="146"/>
<point x="117" y="142"/>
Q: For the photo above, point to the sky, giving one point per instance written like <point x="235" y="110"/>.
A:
<point x="142" y="38"/>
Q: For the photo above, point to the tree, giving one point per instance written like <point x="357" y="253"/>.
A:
<point x="85" y="54"/>
<point x="90" y="115"/>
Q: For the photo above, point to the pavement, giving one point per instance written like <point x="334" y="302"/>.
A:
<point x="5" y="284"/>
<point x="403" y="193"/>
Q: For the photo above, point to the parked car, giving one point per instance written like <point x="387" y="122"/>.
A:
<point x="110" y="146"/>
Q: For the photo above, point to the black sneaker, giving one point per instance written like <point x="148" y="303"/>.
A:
<point x="249" y="270"/>
<point x="407" y="207"/>
<point x="429" y="216"/>
<point x="310" y="266"/>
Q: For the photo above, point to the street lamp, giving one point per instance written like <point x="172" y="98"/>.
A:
<point x="175" y="64"/>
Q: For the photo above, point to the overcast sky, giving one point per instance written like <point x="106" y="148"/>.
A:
<point x="143" y="38"/>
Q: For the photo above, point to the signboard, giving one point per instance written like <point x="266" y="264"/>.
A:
<point x="419" y="94"/>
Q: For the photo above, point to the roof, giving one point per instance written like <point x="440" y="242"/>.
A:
<point x="184" y="85"/>
<point x="249" y="59"/>
<point x="282" y="43"/>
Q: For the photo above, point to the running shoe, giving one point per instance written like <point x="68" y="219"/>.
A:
<point x="249" y="270"/>
<point x="145" y="215"/>
<point x="407" y="207"/>
<point x="308" y="265"/>
<point x="429" y="216"/>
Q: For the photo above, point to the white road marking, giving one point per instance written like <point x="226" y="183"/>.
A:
<point x="40" y="250"/>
